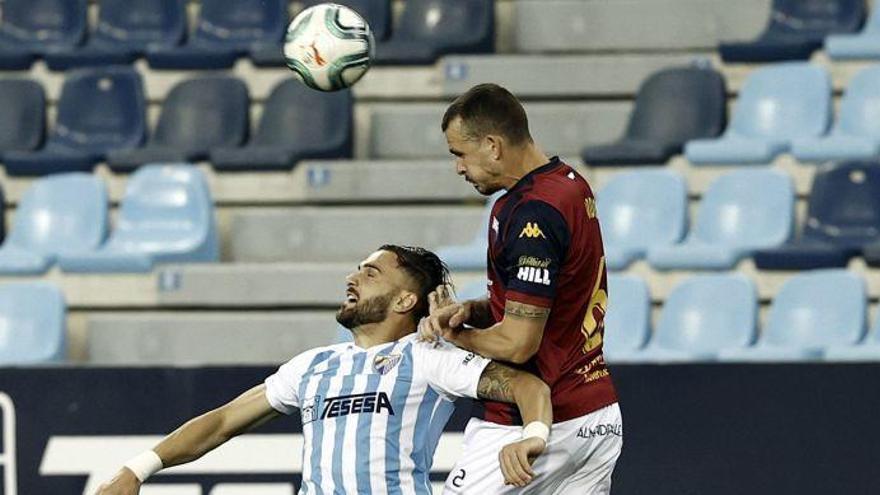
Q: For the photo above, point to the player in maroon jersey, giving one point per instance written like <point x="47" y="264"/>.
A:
<point x="546" y="304"/>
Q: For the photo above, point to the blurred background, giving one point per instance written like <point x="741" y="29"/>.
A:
<point x="180" y="214"/>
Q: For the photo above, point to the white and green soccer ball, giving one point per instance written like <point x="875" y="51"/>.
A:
<point x="328" y="46"/>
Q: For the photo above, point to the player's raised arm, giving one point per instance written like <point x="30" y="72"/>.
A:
<point x="194" y="439"/>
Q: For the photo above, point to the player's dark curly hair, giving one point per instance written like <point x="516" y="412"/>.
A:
<point x="489" y="109"/>
<point x="425" y="267"/>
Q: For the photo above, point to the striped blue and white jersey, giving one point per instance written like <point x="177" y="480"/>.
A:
<point x="372" y="417"/>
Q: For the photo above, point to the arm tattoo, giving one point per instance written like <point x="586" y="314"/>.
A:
<point x="495" y="383"/>
<point x="525" y="310"/>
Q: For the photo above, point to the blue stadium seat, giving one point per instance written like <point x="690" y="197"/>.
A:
<point x="703" y="316"/>
<point x="197" y="116"/>
<point x="843" y="217"/>
<point x="166" y="216"/>
<point x="639" y="210"/>
<point x="431" y="28"/>
<point x="673" y="106"/>
<point x="628" y="318"/>
<point x="777" y="104"/>
<point x="297" y="123"/>
<point x="124" y="30"/>
<point x="796" y="29"/>
<point x="60" y="213"/>
<point x="22" y="115"/>
<point x="473" y="290"/>
<point x="868" y="349"/>
<point x="225" y="30"/>
<point x="864" y="45"/>
<point x="740" y="212"/>
<point x="35" y="324"/>
<point x="99" y="110"/>
<point x="812" y="311"/>
<point x="377" y="13"/>
<point x="857" y="132"/>
<point x="471" y="256"/>
<point x="29" y="28"/>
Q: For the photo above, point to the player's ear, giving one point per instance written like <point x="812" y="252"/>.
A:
<point x="495" y="144"/>
<point x="405" y="302"/>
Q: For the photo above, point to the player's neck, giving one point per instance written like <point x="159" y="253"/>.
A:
<point x="374" y="334"/>
<point x="522" y="162"/>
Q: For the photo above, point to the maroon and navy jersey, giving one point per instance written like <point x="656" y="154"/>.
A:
<point x="545" y="249"/>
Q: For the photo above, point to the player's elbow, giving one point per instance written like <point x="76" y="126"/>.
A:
<point x="522" y="353"/>
<point x="530" y="387"/>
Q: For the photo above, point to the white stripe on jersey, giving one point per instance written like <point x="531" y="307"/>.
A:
<point x="372" y="417"/>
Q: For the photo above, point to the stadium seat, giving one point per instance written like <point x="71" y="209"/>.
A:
<point x="225" y="30"/>
<point x="812" y="311"/>
<point x="197" y="116"/>
<point x="431" y="28"/>
<point x="796" y="29"/>
<point x="639" y="210"/>
<point x="740" y="212"/>
<point x="34" y="329"/>
<point x="22" y="115"/>
<point x="297" y="123"/>
<point x="777" y="104"/>
<point x="857" y="132"/>
<point x="863" y="45"/>
<point x="470" y="256"/>
<point x="473" y="290"/>
<point x="100" y="110"/>
<point x="29" y="28"/>
<point x="673" y="106"/>
<point x="124" y="30"/>
<point x="843" y="217"/>
<point x="377" y="13"/>
<point x="868" y="349"/>
<point x="628" y="318"/>
<point x="703" y="316"/>
<point x="59" y="213"/>
<point x="166" y="216"/>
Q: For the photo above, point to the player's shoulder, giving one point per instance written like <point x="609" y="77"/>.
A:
<point x="322" y="353"/>
<point x="558" y="187"/>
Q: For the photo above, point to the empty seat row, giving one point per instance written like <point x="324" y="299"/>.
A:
<point x="224" y="31"/>
<point x="166" y="215"/>
<point x="788" y="108"/>
<point x="714" y="317"/>
<point x="102" y="117"/>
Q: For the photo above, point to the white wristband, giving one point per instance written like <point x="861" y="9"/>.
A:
<point x="536" y="429"/>
<point x="145" y="465"/>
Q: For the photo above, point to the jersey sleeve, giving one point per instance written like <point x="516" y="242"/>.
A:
<point x="535" y="247"/>
<point x="282" y="387"/>
<point x="451" y="371"/>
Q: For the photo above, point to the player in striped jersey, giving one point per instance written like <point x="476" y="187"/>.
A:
<point x="372" y="411"/>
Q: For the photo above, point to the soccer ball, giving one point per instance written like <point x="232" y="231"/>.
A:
<point x="328" y="46"/>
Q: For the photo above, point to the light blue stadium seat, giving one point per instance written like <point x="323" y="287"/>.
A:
<point x="864" y="45"/>
<point x="473" y="290"/>
<point x="865" y="351"/>
<point x="740" y="212"/>
<point x="628" y="318"/>
<point x="470" y="256"/>
<point x="703" y="316"/>
<point x="812" y="311"/>
<point x="638" y="210"/>
<point x="857" y="132"/>
<point x="166" y="216"/>
<point x="778" y="104"/>
<point x="33" y="328"/>
<point x="60" y="213"/>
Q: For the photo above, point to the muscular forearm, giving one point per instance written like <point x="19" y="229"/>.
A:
<point x="480" y="313"/>
<point x="531" y="395"/>
<point x="193" y="439"/>
<point x="493" y="343"/>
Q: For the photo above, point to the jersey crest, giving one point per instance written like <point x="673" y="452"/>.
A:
<point x="384" y="364"/>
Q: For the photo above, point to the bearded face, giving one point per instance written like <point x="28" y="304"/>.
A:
<point x="356" y="312"/>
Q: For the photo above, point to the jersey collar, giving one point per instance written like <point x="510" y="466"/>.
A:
<point x="553" y="163"/>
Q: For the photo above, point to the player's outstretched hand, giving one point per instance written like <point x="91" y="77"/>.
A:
<point x="446" y="316"/>
<point x="124" y="483"/>
<point x="516" y="461"/>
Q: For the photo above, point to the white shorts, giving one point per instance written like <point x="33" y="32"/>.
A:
<point x="579" y="458"/>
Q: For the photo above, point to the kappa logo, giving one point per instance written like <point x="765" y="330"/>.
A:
<point x="531" y="231"/>
<point x="384" y="364"/>
<point x="495" y="224"/>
